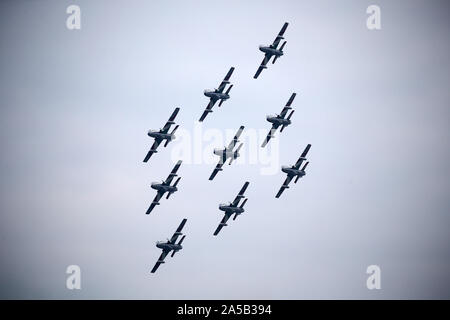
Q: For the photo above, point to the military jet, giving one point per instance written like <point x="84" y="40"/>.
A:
<point x="217" y="94"/>
<point x="170" y="245"/>
<point x="279" y="120"/>
<point x="231" y="208"/>
<point x="227" y="152"/>
<point x="272" y="51"/>
<point x="294" y="171"/>
<point x="162" y="134"/>
<point x="164" y="187"/>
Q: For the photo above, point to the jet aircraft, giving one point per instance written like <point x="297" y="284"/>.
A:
<point x="279" y="120"/>
<point x="170" y="245"/>
<point x="227" y="152"/>
<point x="231" y="208"/>
<point x="294" y="171"/>
<point x="162" y="134"/>
<point x="164" y="186"/>
<point x="217" y="94"/>
<point x="272" y="50"/>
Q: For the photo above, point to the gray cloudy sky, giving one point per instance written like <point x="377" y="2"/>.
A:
<point x="76" y="105"/>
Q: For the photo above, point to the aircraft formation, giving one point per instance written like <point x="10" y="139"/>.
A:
<point x="231" y="151"/>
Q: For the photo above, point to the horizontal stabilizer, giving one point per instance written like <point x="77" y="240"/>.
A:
<point x="290" y="115"/>
<point x="285" y="186"/>
<point x="181" y="241"/>
<point x="304" y="167"/>
<point x="223" y="224"/>
<point x="156" y="203"/>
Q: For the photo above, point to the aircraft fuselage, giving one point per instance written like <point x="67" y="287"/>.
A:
<point x="163" y="136"/>
<point x="216" y="95"/>
<point x="278" y="120"/>
<point x="272" y="51"/>
<point x="293" y="171"/>
<point x="226" y="153"/>
<point x="169" y="246"/>
<point x="231" y="210"/>
<point x="163" y="187"/>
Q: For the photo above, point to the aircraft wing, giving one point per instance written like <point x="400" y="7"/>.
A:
<point x="235" y="138"/>
<point x="288" y="105"/>
<point x="170" y="121"/>
<point x="280" y="35"/>
<point x="284" y="186"/>
<point x="222" y="223"/>
<point x="302" y="157"/>
<point x="212" y="102"/>
<point x="270" y="134"/>
<point x="160" y="260"/>
<point x="216" y="169"/>
<point x="178" y="231"/>
<point x="158" y="197"/>
<point x="266" y="59"/>
<point x="240" y="194"/>
<point x="173" y="173"/>
<point x="226" y="80"/>
<point x="152" y="149"/>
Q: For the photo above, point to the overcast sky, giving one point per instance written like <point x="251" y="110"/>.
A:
<point x="76" y="106"/>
